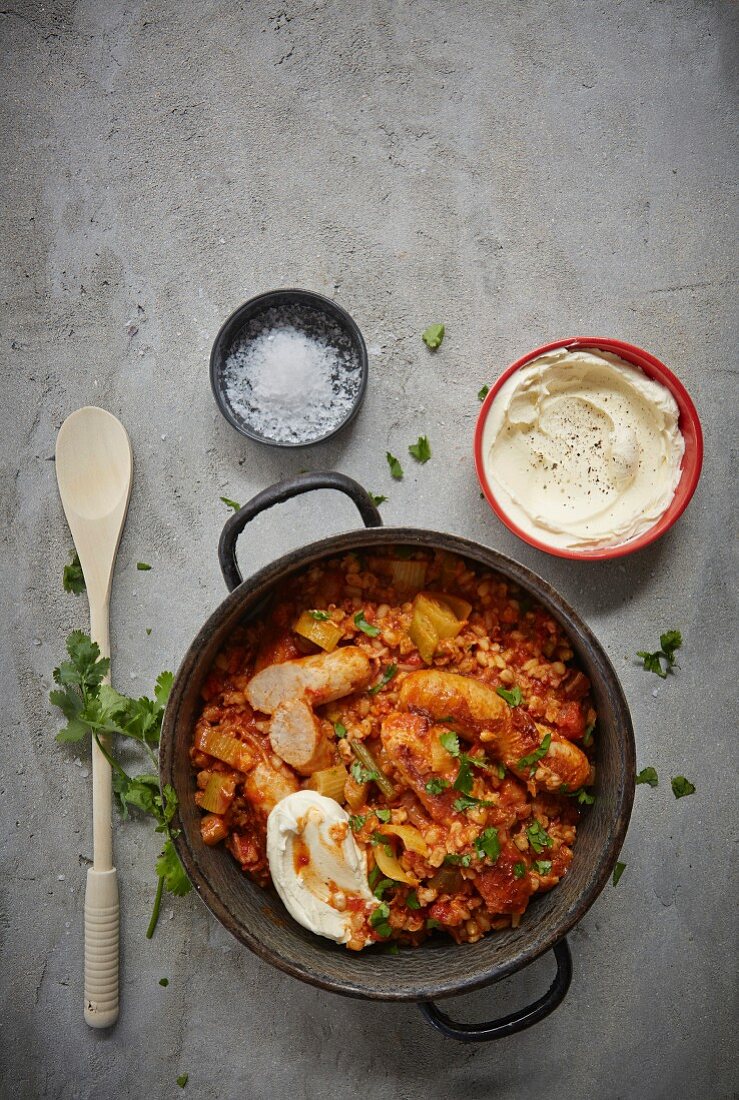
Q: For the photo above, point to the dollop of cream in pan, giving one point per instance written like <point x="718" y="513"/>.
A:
<point x="583" y="450"/>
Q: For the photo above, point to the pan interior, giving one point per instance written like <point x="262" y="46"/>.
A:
<point x="437" y="969"/>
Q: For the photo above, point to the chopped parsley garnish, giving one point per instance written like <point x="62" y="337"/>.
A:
<point x="320" y="616"/>
<point x="231" y="504"/>
<point x="432" y="923"/>
<point x="432" y="336"/>
<point x="93" y="709"/>
<point x="463" y="781"/>
<point x="411" y="900"/>
<point x="450" y="742"/>
<point x="183" y="1079"/>
<point x="366" y="628"/>
<point x="582" y="796"/>
<point x="682" y="786"/>
<point x="360" y="774"/>
<point x="466" y="802"/>
<point x="458" y="861"/>
<point x="396" y="470"/>
<point x="143" y="566"/>
<point x="652" y="662"/>
<point x="513" y="698"/>
<point x="148" y="631"/>
<point x="519" y="870"/>
<point x="618" y="870"/>
<point x="383" y="815"/>
<point x="340" y="730"/>
<point x="382" y="886"/>
<point x="542" y="866"/>
<point x="377" y="500"/>
<point x="385" y="679"/>
<point x="72" y="578"/>
<point x="356" y="821"/>
<point x="164" y="981"/>
<point x="527" y="761"/>
<point x="373" y="877"/>
<point x="379" y="839"/>
<point x="588" y="736"/>
<point x="421" y="450"/>
<point x="487" y="844"/>
<point x="378" y="920"/>
<point x="539" y="838"/>
<point x="482" y="393"/>
<point x="436" y="786"/>
<point x="648" y="775"/>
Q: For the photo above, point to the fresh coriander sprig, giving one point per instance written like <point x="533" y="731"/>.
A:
<point x="73" y="579"/>
<point x="421" y="450"/>
<point x="95" y="709"/>
<point x="669" y="642"/>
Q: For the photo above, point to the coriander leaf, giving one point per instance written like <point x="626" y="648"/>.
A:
<point x="432" y="923"/>
<point x="652" y="662"/>
<point x="463" y="781"/>
<point x="141" y="791"/>
<point x="340" y="730"/>
<point x="411" y="900"/>
<point x="682" y="787"/>
<point x="647" y="775"/>
<point x="385" y="679"/>
<point x="455" y="860"/>
<point x="519" y="870"/>
<point x="319" y="616"/>
<point x="421" y="450"/>
<point x="432" y="336"/>
<point x="618" y="870"/>
<point x="75" y="730"/>
<point x="488" y="844"/>
<point x="542" y="866"/>
<point x="466" y="802"/>
<point x="396" y="470"/>
<point x="183" y="1079"/>
<point x="583" y="797"/>
<point x="450" y="742"/>
<point x="364" y="626"/>
<point x="361" y="775"/>
<point x="539" y="838"/>
<point x="527" y="761"/>
<point x="669" y="642"/>
<point x="231" y="504"/>
<point x="482" y="394"/>
<point x="148" y="631"/>
<point x="143" y="566"/>
<point x="436" y="786"/>
<point x="588" y="736"/>
<point x="378" y="920"/>
<point x="356" y="821"/>
<point x="73" y="579"/>
<point x="164" y="981"/>
<point x="383" y="815"/>
<point x="382" y="886"/>
<point x="513" y="698"/>
<point x="162" y="688"/>
<point x="169" y="868"/>
<point x="374" y="876"/>
<point x="376" y="500"/>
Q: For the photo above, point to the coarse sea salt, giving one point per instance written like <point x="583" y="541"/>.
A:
<point x="292" y="376"/>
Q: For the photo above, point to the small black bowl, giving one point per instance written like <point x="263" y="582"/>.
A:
<point x="313" y="314"/>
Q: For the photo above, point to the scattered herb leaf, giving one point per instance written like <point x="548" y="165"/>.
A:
<point x="384" y="679"/>
<point x="588" y="736"/>
<point x="320" y="616"/>
<point x="463" y="780"/>
<point x="340" y="730"/>
<point x="164" y="981"/>
<point x="356" y="821"/>
<point x="513" y="698"/>
<point x="436" y="786"/>
<point x="519" y="870"/>
<point x="466" y="802"/>
<point x="360" y="774"/>
<point x="618" y="870"/>
<point x="148" y="631"/>
<point x="652" y="662"/>
<point x="421" y="450"/>
<point x="396" y="470"/>
<point x="366" y="628"/>
<point x="379" y="921"/>
<point x="450" y="741"/>
<point x="432" y="336"/>
<point x="383" y="815"/>
<point x="432" y="923"/>
<point x="539" y="838"/>
<point x="454" y="860"/>
<point x="377" y="500"/>
<point x="527" y="761"/>
<point x="482" y="393"/>
<point x="411" y="900"/>
<point x="647" y="775"/>
<point x="183" y="1079"/>
<point x="542" y="866"/>
<point x="231" y="504"/>
<point x="382" y="886"/>
<point x="682" y="786"/>
<point x="73" y="579"/>
<point x="143" y="566"/>
<point x="488" y="844"/>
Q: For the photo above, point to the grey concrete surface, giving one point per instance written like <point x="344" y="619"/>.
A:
<point x="520" y="171"/>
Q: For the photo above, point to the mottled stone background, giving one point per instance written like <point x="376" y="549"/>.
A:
<point x="520" y="171"/>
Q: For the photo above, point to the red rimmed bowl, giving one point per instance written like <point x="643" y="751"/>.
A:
<point x="688" y="423"/>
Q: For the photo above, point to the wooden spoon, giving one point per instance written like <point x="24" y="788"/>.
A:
<point x="94" y="470"/>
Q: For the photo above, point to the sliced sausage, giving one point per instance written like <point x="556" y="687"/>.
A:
<point x="296" y="737"/>
<point x="318" y="679"/>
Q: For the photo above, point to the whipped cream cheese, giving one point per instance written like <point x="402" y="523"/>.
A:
<point x="583" y="450"/>
<point x="316" y="864"/>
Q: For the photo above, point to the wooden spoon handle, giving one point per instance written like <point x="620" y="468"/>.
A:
<point x="102" y="914"/>
<point x="102" y="924"/>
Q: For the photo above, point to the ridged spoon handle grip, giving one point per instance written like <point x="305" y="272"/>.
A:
<point x="102" y="927"/>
